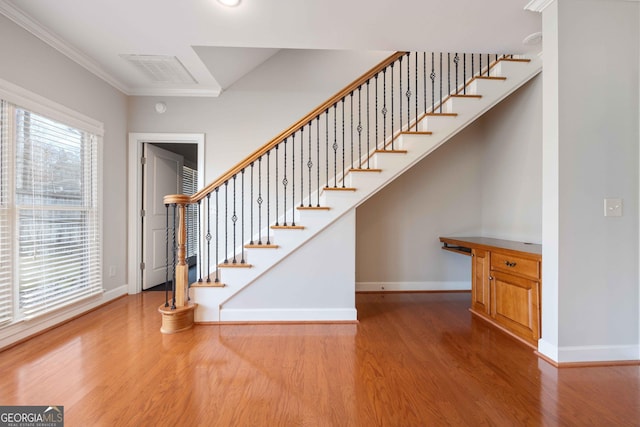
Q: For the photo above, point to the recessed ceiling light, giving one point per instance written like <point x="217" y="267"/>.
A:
<point x="230" y="3"/>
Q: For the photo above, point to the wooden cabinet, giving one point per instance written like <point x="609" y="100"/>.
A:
<point x="505" y="283"/>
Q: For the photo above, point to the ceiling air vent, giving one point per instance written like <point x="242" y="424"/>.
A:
<point x="161" y="68"/>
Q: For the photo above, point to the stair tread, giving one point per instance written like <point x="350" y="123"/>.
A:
<point x="392" y="151"/>
<point x="287" y="227"/>
<point x="313" y="208"/>
<point x="490" y="78"/>
<point x="515" y="59"/>
<point x="236" y="265"/>
<point x="421" y="132"/>
<point x="339" y="189"/>
<point x="466" y="95"/>
<point x="364" y="170"/>
<point x="442" y="114"/>
<point x="260" y="246"/>
<point x="205" y="284"/>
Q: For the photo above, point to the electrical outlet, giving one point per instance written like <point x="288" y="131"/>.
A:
<point x="612" y="207"/>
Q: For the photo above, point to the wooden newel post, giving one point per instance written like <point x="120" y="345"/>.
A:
<point x="180" y="318"/>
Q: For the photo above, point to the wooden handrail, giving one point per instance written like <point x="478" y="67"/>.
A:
<point x="294" y="128"/>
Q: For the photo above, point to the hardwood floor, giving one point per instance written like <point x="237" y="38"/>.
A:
<point x="413" y="360"/>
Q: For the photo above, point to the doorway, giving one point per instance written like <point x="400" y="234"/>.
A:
<point x="158" y="164"/>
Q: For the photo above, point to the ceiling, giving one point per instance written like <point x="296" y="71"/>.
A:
<point x="217" y="45"/>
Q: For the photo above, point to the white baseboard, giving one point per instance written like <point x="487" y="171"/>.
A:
<point x="411" y="286"/>
<point x="288" y="315"/>
<point x="591" y="353"/>
<point x="25" y="329"/>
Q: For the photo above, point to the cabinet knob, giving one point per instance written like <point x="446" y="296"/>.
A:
<point x="510" y="264"/>
<point x="490" y="277"/>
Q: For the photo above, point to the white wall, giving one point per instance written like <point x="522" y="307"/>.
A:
<point x="316" y="282"/>
<point x="485" y="181"/>
<point x="597" y="157"/>
<point x="257" y="107"/>
<point x="30" y="63"/>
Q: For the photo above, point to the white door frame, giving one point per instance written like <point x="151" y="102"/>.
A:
<point x="134" y="202"/>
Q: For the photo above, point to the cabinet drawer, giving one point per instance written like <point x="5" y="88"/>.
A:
<point x="515" y="265"/>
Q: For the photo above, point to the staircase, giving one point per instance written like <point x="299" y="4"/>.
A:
<point x="310" y="179"/>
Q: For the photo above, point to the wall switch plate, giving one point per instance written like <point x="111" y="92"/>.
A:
<point x="612" y="207"/>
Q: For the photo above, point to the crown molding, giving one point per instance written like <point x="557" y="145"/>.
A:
<point x="537" y="5"/>
<point x="38" y="30"/>
<point x="193" y="92"/>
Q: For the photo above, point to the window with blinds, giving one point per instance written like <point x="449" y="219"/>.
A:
<point x="50" y="214"/>
<point x="189" y="187"/>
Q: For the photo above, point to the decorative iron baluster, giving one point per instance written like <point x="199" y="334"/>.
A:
<point x="359" y="128"/>
<point x="335" y="145"/>
<point x="251" y="242"/>
<point x="464" y="73"/>
<point x="317" y="158"/>
<point x="392" y="107"/>
<point x="242" y="260"/>
<point x="448" y="73"/>
<point x="285" y="193"/>
<point x="433" y="83"/>
<point x="472" y="68"/>
<point x="173" y="247"/>
<point x="260" y="200"/>
<point x="166" y="269"/>
<point x="326" y="157"/>
<point x="424" y="80"/>
<point x="293" y="213"/>
<point x="309" y="164"/>
<point x="488" y="64"/>
<point x="285" y="182"/>
<point x="234" y="219"/>
<point x="351" y="126"/>
<point x="417" y="92"/>
<point x="456" y="59"/>
<point x="208" y="238"/>
<point x="226" y="222"/>
<point x="293" y="177"/>
<point x="440" y="82"/>
<point x="480" y="64"/>
<point x="408" y="92"/>
<point x="217" y="279"/>
<point x="368" y="129"/>
<point x="400" y="97"/>
<point x="343" y="145"/>
<point x="268" y="198"/>
<point x="200" y="245"/>
<point x="384" y="109"/>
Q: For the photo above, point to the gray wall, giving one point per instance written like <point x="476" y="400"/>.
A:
<point x="30" y="63"/>
<point x="485" y="181"/>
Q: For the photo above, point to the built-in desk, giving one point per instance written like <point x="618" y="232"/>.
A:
<point x="505" y="283"/>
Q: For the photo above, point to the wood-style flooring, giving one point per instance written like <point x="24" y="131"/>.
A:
<point x="413" y="360"/>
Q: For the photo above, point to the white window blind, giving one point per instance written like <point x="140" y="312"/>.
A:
<point x="54" y="197"/>
<point x="189" y="187"/>
<point x="6" y="294"/>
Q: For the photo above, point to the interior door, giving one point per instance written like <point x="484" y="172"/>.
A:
<point x="162" y="175"/>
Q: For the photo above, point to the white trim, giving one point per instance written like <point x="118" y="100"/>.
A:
<point x="598" y="353"/>
<point x="412" y="286"/>
<point x="288" y="315"/>
<point x="537" y="5"/>
<point x="25" y="329"/>
<point x="548" y="349"/>
<point x="53" y="40"/>
<point x="26" y="99"/>
<point x="194" y="92"/>
<point x="134" y="184"/>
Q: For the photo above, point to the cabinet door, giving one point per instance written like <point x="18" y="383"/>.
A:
<point x="515" y="304"/>
<point x="480" y="301"/>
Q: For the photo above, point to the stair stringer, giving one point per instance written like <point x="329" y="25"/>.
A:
<point x="211" y="300"/>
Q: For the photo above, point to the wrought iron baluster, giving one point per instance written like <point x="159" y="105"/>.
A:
<point x="301" y="171"/>
<point x="392" y="91"/>
<point x="433" y="83"/>
<point x="448" y="73"/>
<point x="293" y="177"/>
<point x="335" y="145"/>
<point x="309" y="164"/>
<point x="408" y="93"/>
<point x="488" y="64"/>
<point x="359" y="128"/>
<point x="464" y="73"/>
<point x="417" y="92"/>
<point x="400" y="95"/>
<point x="441" y="82"/>
<point x="317" y="158"/>
<point x="326" y="157"/>
<point x="268" y="198"/>
<point x="226" y="222"/>
<point x="242" y="260"/>
<point x="376" y="110"/>
<point x="480" y="64"/>
<point x="384" y="109"/>
<point x="351" y="127"/>
<point x="200" y="245"/>
<point x="343" y="145"/>
<point x="173" y="281"/>
<point x="166" y="269"/>
<point x="208" y="238"/>
<point x="424" y="80"/>
<point x="285" y="182"/>
<point x="217" y="280"/>
<point x="251" y="242"/>
<point x="234" y="220"/>
<point x="472" y="68"/>
<point x="456" y="59"/>
<point x="260" y="200"/>
<point x="285" y="189"/>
